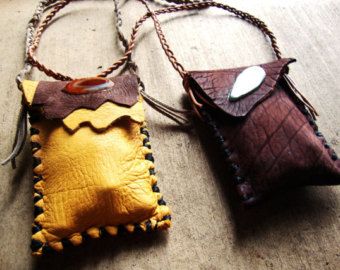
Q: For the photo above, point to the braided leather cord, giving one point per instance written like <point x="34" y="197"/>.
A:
<point x="21" y="127"/>
<point x="127" y="55"/>
<point x="31" y="58"/>
<point x="201" y="5"/>
<point x="33" y="23"/>
<point x="180" y="116"/>
<point x="50" y="72"/>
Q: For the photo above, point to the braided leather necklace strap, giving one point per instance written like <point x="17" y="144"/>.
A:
<point x="31" y="58"/>
<point x="192" y="6"/>
<point x="201" y="5"/>
<point x="21" y="127"/>
<point x="164" y="42"/>
<point x="33" y="23"/>
<point x="180" y="116"/>
<point x="127" y="55"/>
<point x="56" y="75"/>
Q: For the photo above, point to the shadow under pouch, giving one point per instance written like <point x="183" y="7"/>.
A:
<point x="265" y="127"/>
<point x="93" y="167"/>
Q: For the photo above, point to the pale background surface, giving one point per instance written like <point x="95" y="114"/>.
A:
<point x="298" y="230"/>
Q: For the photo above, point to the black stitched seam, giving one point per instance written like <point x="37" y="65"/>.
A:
<point x="149" y="157"/>
<point x="238" y="180"/>
<point x="36" y="245"/>
<point x="318" y="134"/>
<point x="34" y="131"/>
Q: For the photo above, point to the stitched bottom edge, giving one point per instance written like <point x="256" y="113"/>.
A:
<point x="42" y="248"/>
<point x="243" y="186"/>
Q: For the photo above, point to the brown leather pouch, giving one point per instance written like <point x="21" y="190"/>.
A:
<point x="270" y="141"/>
<point x="264" y="125"/>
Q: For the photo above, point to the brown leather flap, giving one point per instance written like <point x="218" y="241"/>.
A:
<point x="58" y="104"/>
<point x="213" y="87"/>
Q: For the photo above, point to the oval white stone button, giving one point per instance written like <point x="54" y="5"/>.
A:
<point x="247" y="81"/>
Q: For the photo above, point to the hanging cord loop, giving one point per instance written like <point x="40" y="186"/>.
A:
<point x="21" y="127"/>
<point x="33" y="23"/>
<point x="169" y="53"/>
<point x="59" y="76"/>
<point x="243" y="15"/>
<point x="202" y="5"/>
<point x="180" y="116"/>
<point x="34" y="31"/>
<point x="192" y="5"/>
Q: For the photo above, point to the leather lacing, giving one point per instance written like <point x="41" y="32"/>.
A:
<point x="180" y="116"/>
<point x="240" y="14"/>
<point x="305" y="107"/>
<point x="45" y="248"/>
<point x="56" y="75"/>
<point x="34" y="31"/>
<point x="36" y="245"/>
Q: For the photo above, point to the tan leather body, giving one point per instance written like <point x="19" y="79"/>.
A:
<point x="94" y="174"/>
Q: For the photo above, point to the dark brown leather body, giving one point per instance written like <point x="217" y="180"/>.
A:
<point x="48" y="94"/>
<point x="269" y="139"/>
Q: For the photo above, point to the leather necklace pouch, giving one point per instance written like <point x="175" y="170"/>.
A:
<point x="265" y="128"/>
<point x="93" y="168"/>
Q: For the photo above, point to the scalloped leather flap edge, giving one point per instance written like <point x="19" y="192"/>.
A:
<point x="104" y="116"/>
<point x="213" y="87"/>
<point x="99" y="110"/>
<point x="58" y="104"/>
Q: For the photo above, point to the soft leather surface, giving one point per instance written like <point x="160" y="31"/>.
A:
<point x="29" y="88"/>
<point x="275" y="146"/>
<point x="57" y="103"/>
<point x="104" y="116"/>
<point x="217" y="84"/>
<point x="95" y="176"/>
<point x="297" y="231"/>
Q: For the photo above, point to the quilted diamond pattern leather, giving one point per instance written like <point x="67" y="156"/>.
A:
<point x="276" y="146"/>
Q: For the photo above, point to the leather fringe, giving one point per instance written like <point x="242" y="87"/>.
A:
<point x="20" y="138"/>
<point x="181" y="117"/>
<point x="301" y="97"/>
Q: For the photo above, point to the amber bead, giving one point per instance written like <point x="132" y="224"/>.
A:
<point x="88" y="85"/>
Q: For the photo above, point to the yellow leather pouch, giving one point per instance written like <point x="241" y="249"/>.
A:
<point x="93" y="167"/>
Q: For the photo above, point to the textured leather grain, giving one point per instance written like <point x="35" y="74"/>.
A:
<point x="276" y="146"/>
<point x="104" y="116"/>
<point x="56" y="103"/>
<point x="217" y="84"/>
<point x="93" y="171"/>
